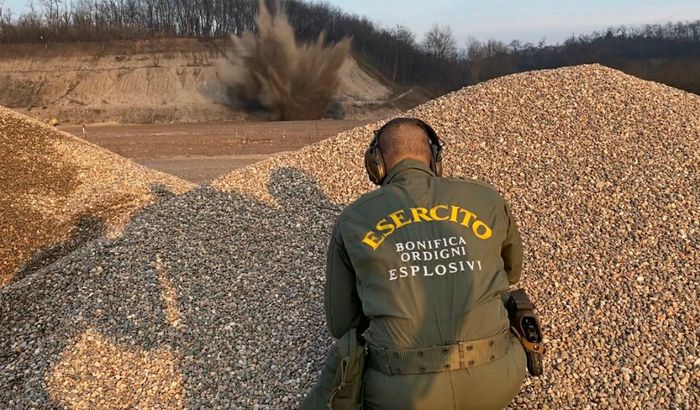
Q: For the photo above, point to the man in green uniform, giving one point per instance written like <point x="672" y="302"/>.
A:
<point x="419" y="267"/>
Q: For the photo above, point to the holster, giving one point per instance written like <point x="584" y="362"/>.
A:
<point x="524" y="322"/>
<point x="339" y="386"/>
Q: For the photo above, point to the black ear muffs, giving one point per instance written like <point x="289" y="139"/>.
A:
<point x="374" y="160"/>
<point x="435" y="148"/>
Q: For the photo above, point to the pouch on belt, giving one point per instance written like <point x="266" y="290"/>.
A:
<point x="339" y="386"/>
<point x="523" y="320"/>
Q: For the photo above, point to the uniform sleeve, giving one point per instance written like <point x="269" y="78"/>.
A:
<point x="512" y="249"/>
<point x="341" y="301"/>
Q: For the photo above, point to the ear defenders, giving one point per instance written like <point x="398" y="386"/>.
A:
<point x="374" y="160"/>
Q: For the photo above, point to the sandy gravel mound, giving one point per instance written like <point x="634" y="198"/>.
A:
<point x="217" y="293"/>
<point x="57" y="191"/>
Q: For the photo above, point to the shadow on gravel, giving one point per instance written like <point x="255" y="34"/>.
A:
<point x="228" y="286"/>
<point x="87" y="228"/>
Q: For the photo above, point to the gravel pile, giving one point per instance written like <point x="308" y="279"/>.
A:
<point x="214" y="297"/>
<point x="57" y="191"/>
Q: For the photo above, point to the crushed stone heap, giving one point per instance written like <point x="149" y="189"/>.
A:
<point x="57" y="191"/>
<point x="214" y="298"/>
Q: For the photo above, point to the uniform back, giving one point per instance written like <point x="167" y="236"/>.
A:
<point x="426" y="252"/>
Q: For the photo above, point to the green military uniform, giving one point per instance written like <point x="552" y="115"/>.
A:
<point x="419" y="266"/>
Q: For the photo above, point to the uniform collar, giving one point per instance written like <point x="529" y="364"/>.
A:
<point x="406" y="165"/>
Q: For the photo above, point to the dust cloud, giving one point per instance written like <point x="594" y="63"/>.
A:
<point x="270" y="71"/>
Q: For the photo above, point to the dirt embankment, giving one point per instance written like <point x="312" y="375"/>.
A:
<point x="149" y="81"/>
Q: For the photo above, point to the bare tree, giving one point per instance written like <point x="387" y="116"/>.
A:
<point x="51" y="10"/>
<point x="403" y="50"/>
<point x="5" y="16"/>
<point x="404" y="35"/>
<point x="440" y="43"/>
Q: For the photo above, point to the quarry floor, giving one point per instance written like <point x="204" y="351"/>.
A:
<point x="202" y="152"/>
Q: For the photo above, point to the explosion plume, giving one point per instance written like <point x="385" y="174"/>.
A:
<point x="269" y="70"/>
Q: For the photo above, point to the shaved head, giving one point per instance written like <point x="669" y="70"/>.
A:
<point x="404" y="138"/>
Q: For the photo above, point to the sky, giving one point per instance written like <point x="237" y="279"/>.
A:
<point x="507" y="20"/>
<point x="527" y="21"/>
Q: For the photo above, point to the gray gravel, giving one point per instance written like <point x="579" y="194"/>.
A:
<point x="214" y="298"/>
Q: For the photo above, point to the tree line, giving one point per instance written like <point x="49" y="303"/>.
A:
<point x="667" y="53"/>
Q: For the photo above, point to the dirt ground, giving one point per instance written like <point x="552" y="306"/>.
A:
<point x="202" y="152"/>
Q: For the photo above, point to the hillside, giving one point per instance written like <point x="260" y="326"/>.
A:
<point x="149" y="81"/>
<point x="214" y="298"/>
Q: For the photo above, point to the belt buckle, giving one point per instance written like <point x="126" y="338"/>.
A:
<point x="462" y="360"/>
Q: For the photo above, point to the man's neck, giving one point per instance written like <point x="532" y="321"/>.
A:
<point x="407" y="165"/>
